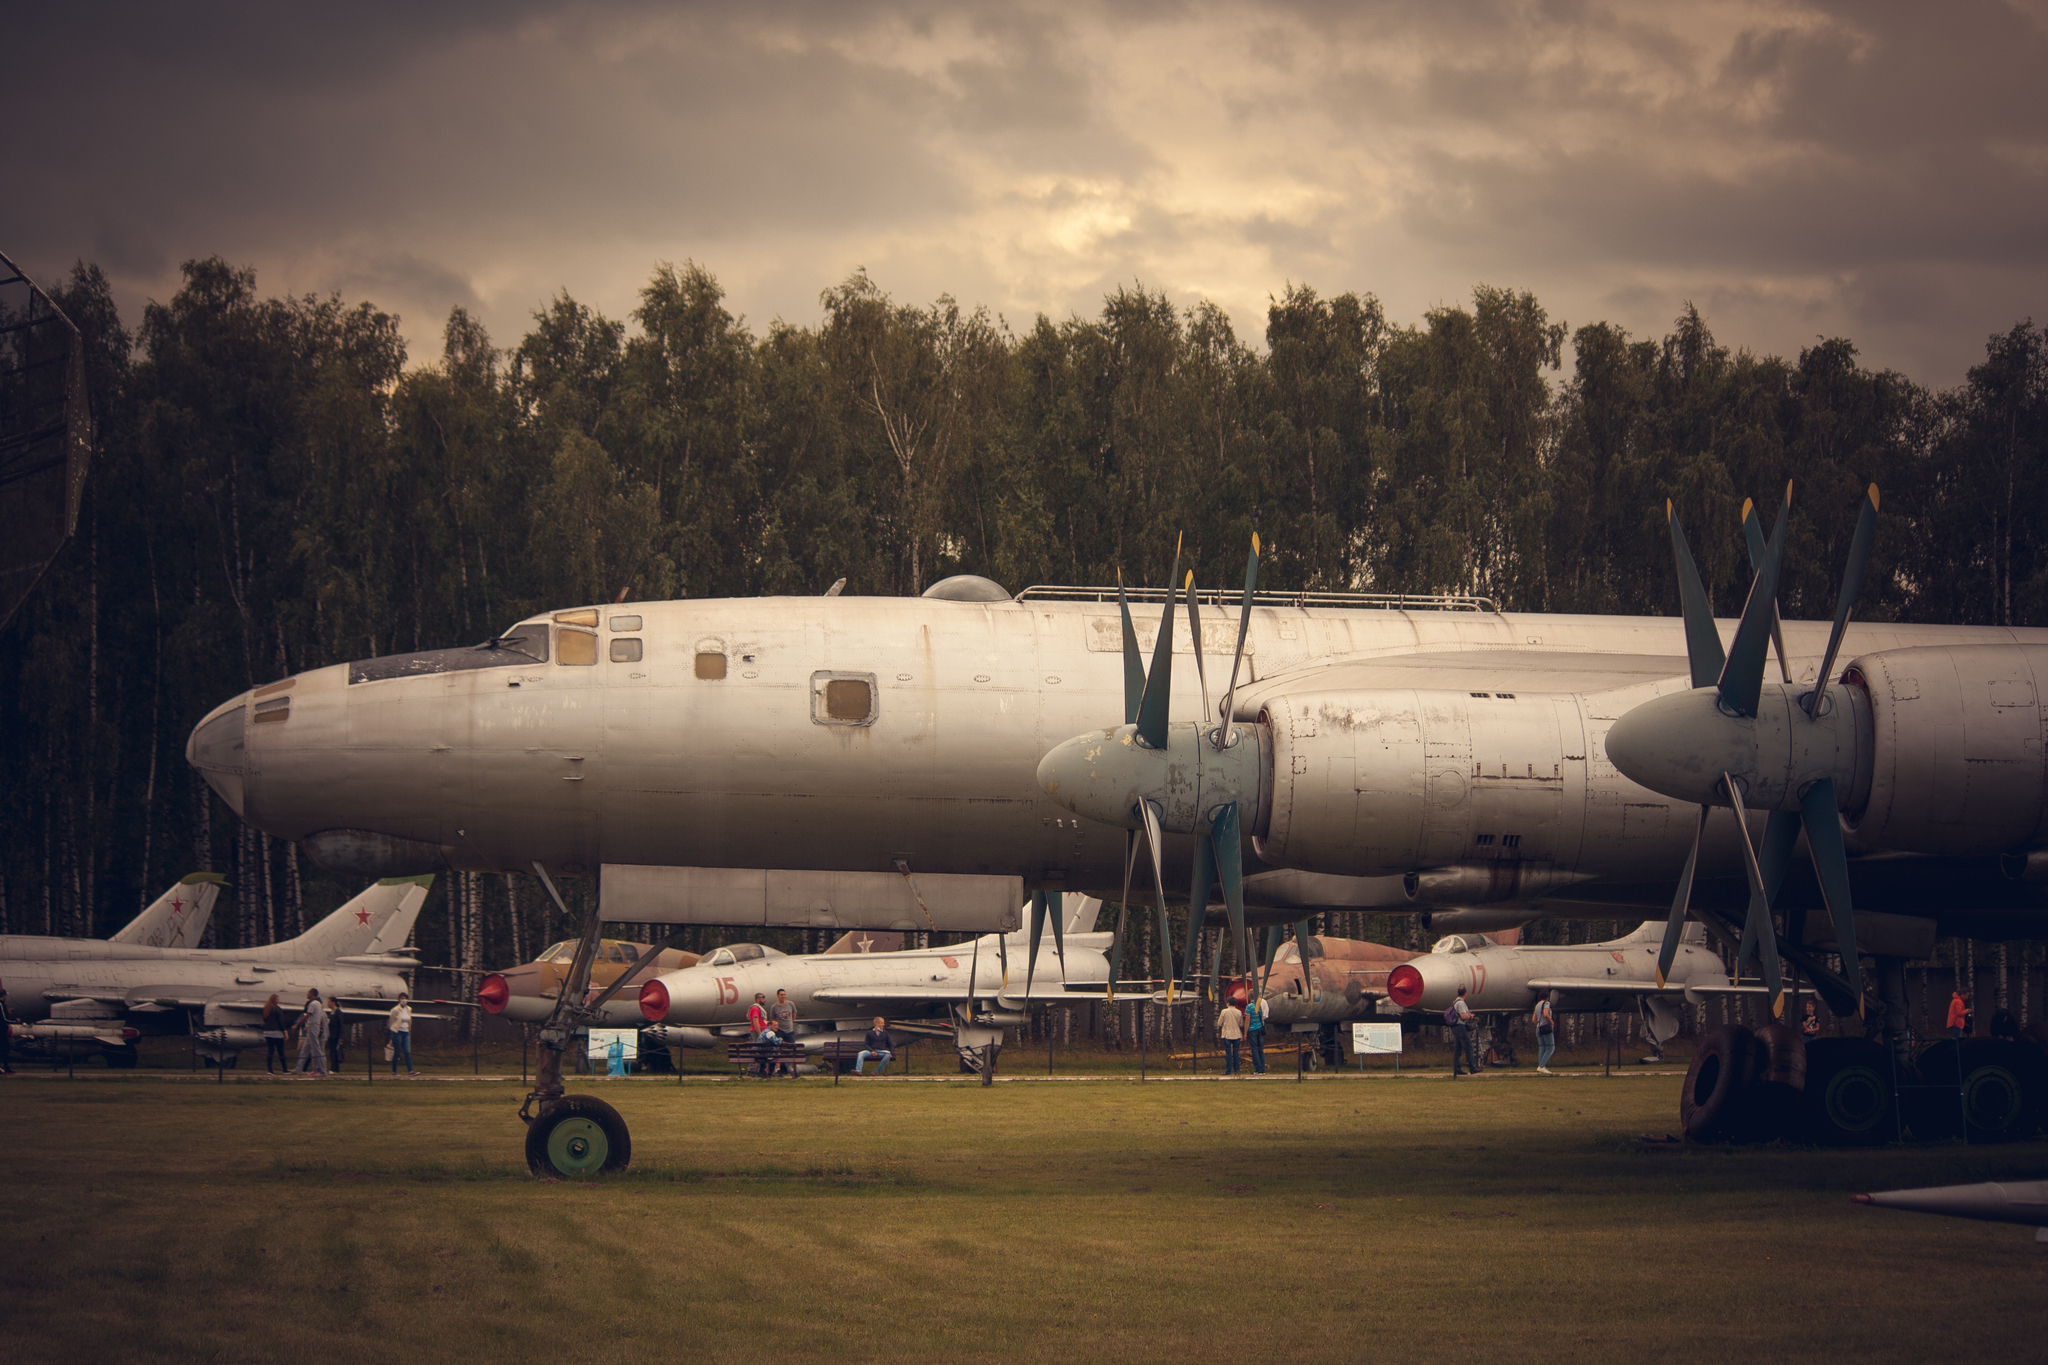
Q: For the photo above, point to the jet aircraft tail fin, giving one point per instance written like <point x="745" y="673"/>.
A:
<point x="1081" y="913"/>
<point x="865" y="941"/>
<point x="178" y="917"/>
<point x="377" y="921"/>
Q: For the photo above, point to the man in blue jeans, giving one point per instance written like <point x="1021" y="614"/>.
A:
<point x="877" y="1045"/>
<point x="1230" y="1029"/>
<point x="1459" y="1016"/>
<point x="1255" y="1033"/>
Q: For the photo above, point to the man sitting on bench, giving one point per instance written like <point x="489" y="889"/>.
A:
<point x="878" y="1046"/>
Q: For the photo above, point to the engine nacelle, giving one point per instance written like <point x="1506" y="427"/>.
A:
<point x="1956" y="749"/>
<point x="1495" y="792"/>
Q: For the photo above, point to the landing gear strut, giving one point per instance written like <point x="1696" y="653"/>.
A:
<point x="570" y="1136"/>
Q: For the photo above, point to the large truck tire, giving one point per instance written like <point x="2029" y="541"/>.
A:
<point x="1983" y="1089"/>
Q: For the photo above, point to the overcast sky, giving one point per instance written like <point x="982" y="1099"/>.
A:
<point x="1869" y="170"/>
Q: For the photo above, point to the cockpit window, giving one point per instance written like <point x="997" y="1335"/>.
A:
<point x="722" y="958"/>
<point x="520" y="645"/>
<point x="576" y="648"/>
<point x="557" y="952"/>
<point x="747" y="952"/>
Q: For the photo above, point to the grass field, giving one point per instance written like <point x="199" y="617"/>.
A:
<point x="152" y="1217"/>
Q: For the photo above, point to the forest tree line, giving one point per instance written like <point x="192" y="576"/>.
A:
<point x="275" y="488"/>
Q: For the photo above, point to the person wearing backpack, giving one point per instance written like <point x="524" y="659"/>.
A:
<point x="1255" y="1033"/>
<point x="1459" y="1017"/>
<point x="1546" y="1031"/>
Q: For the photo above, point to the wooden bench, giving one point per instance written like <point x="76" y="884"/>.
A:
<point x="749" y="1055"/>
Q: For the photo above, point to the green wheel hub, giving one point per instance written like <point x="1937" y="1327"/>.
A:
<point x="1854" y="1099"/>
<point x="1991" y="1099"/>
<point x="577" y="1146"/>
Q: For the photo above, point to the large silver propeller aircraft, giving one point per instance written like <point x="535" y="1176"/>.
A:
<point x="83" y="994"/>
<point x="922" y="764"/>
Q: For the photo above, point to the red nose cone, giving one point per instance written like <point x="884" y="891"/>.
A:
<point x="654" y="1001"/>
<point x="1404" y="986"/>
<point x="493" y="993"/>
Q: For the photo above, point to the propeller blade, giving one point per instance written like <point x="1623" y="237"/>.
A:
<point x="1702" y="640"/>
<point x="1757" y="927"/>
<point x="1823" y="817"/>
<point x="1742" y="676"/>
<point x="1201" y="880"/>
<point x="1674" y="928"/>
<point x="1055" y="905"/>
<point x="1774" y="859"/>
<point x="1195" y="633"/>
<point x="1116" y="944"/>
<point x="1852" y="587"/>
<point x="1037" y="928"/>
<point x="1003" y="960"/>
<point x="973" y="973"/>
<point x="1159" y="678"/>
<point x="1134" y="662"/>
<point x="1150" y="810"/>
<point x="1274" y="934"/>
<point x="1301" y="946"/>
<point x="1223" y="827"/>
<point x="1225" y="733"/>
<point x="1753" y="533"/>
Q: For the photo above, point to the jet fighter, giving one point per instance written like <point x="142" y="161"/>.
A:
<point x="1589" y="977"/>
<point x="976" y="989"/>
<point x="85" y="995"/>
<point x="526" y="994"/>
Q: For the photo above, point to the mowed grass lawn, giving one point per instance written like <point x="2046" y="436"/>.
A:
<point x="1510" y="1218"/>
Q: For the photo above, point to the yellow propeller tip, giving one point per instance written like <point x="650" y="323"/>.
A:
<point x="1788" y="492"/>
<point x="1669" y="511"/>
<point x="1873" y="497"/>
<point x="1190" y="579"/>
<point x="1255" y="536"/>
<point x="1748" y="506"/>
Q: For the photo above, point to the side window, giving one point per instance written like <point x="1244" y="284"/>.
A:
<point x="625" y="623"/>
<point x="843" y="698"/>
<point x="711" y="658"/>
<point x="625" y="651"/>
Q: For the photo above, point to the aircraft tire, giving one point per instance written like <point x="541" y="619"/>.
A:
<point x="1718" y="1101"/>
<point x="1999" y="1097"/>
<point x="1780" y="1081"/>
<point x="1849" y="1099"/>
<point x="577" y="1136"/>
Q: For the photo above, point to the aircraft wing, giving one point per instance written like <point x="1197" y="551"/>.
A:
<point x="847" y="995"/>
<point x="1611" y="985"/>
<point x="1606" y="985"/>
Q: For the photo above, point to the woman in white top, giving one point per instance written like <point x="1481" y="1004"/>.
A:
<point x="399" y="1021"/>
<point x="1546" y="1032"/>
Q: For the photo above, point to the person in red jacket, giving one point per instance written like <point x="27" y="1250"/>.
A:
<point x="1958" y="1015"/>
<point x="763" y="1033"/>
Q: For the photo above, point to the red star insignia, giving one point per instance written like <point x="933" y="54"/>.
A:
<point x="362" y="917"/>
<point x="177" y="907"/>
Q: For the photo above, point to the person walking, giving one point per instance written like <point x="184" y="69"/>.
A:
<point x="273" y="1038"/>
<point x="312" y="1027"/>
<point x="337" y="1035"/>
<point x="782" y="1015"/>
<point x="1809" y="1025"/>
<point x="1255" y="1033"/>
<point x="1958" y="1015"/>
<point x="1459" y="1017"/>
<point x="1230" y="1029"/>
<point x="763" y="1034"/>
<point x="399" y="1022"/>
<point x="1546" y="1031"/>
<point x="879" y="1045"/>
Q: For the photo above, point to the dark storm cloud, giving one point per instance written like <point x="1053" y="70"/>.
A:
<point x="1879" y="171"/>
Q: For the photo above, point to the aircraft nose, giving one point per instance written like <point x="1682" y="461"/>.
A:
<point x="685" y="997"/>
<point x="215" y="748"/>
